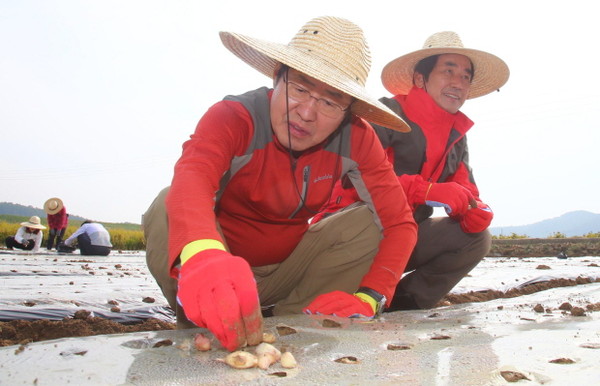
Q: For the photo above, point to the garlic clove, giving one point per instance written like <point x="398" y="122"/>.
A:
<point x="269" y="337"/>
<point x="268" y="348"/>
<point x="265" y="360"/>
<point x="241" y="360"/>
<point x="201" y="342"/>
<point x="288" y="361"/>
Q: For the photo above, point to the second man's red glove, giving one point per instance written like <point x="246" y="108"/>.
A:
<point x="477" y="219"/>
<point x="452" y="196"/>
<point x="217" y="291"/>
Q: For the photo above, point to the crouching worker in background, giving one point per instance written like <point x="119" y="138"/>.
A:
<point x="92" y="239"/>
<point x="231" y="237"/>
<point x="29" y="236"/>
<point x="430" y="86"/>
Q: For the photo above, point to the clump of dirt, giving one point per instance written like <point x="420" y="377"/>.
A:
<point x="23" y="331"/>
<point x="484" y="296"/>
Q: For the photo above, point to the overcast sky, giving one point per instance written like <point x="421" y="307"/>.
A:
<point x="97" y="97"/>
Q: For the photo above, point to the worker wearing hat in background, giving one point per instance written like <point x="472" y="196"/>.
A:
<point x="432" y="163"/>
<point x="58" y="219"/>
<point x="257" y="168"/>
<point x="28" y="237"/>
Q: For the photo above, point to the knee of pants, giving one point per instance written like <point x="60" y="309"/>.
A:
<point x="347" y="225"/>
<point x="482" y="243"/>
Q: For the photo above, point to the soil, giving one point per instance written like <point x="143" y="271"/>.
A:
<point x="572" y="247"/>
<point x="20" y="332"/>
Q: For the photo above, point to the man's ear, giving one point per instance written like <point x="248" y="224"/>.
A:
<point x="419" y="80"/>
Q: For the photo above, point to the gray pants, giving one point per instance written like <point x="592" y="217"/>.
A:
<point x="334" y="254"/>
<point x="444" y="254"/>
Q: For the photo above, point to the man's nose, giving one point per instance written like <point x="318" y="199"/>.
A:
<point x="308" y="109"/>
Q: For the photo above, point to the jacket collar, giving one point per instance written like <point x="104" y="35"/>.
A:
<point x="420" y="108"/>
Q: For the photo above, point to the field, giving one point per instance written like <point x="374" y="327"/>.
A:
<point x="571" y="247"/>
<point x="129" y="237"/>
<point x="124" y="236"/>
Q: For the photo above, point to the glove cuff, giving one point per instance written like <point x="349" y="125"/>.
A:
<point x="198" y="246"/>
<point x="373" y="298"/>
<point x="422" y="191"/>
<point x="369" y="300"/>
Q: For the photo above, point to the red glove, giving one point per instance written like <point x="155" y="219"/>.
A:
<point x="340" y="304"/>
<point x="477" y="219"/>
<point x="218" y="291"/>
<point x="454" y="197"/>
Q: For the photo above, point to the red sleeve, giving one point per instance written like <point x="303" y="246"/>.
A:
<point x="378" y="186"/>
<point x="464" y="178"/>
<point x="415" y="188"/>
<point x="222" y="133"/>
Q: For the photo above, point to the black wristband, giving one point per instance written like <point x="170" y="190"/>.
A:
<point x="379" y="298"/>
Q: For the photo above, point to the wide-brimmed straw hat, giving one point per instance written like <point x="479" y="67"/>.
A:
<point x="491" y="72"/>
<point x="53" y="205"/>
<point x="330" y="49"/>
<point x="34" y="223"/>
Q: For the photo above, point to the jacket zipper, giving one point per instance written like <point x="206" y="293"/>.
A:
<point x="304" y="193"/>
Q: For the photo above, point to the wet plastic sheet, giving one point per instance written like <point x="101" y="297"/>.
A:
<point x="54" y="286"/>
<point x="465" y="344"/>
<point x="130" y="316"/>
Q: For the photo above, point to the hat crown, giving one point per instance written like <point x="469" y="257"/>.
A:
<point x="35" y="220"/>
<point x="338" y="43"/>
<point x="53" y="204"/>
<point x="445" y="39"/>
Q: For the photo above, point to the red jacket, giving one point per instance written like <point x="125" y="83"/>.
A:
<point x="58" y="220"/>
<point x="434" y="151"/>
<point x="236" y="172"/>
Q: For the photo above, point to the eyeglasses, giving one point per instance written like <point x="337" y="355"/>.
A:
<point x="324" y="106"/>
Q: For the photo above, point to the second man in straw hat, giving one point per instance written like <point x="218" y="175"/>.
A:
<point x="430" y="86"/>
<point x="257" y="168"/>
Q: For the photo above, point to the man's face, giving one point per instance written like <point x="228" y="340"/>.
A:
<point x="308" y="125"/>
<point x="449" y="82"/>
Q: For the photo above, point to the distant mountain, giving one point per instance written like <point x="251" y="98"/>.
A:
<point x="28" y="211"/>
<point x="571" y="224"/>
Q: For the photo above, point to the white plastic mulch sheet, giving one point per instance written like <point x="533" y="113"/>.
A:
<point x="55" y="286"/>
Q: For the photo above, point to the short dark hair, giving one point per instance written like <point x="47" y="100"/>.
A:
<point x="425" y="66"/>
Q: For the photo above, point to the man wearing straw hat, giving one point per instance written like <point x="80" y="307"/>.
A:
<point x="57" y="217"/>
<point x="257" y="168"/>
<point x="432" y="162"/>
<point x="28" y="237"/>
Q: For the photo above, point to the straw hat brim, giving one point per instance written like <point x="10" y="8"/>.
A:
<point x="491" y="72"/>
<point x="264" y="56"/>
<point x="57" y="209"/>
<point x="32" y="225"/>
